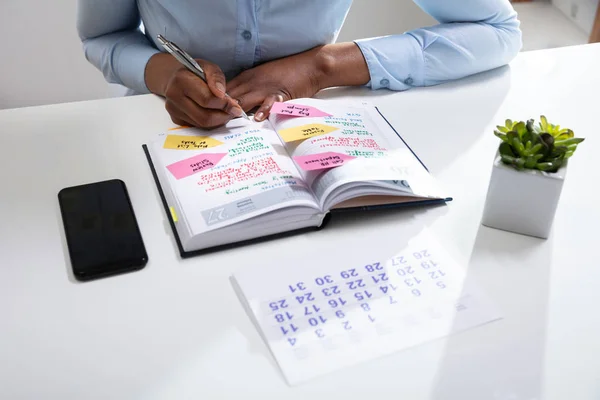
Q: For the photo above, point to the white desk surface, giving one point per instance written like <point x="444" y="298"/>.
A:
<point x="176" y="330"/>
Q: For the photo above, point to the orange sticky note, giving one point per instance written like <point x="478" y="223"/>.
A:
<point x="182" y="142"/>
<point x="305" y="132"/>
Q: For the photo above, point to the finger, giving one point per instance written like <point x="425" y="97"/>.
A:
<point x="186" y="84"/>
<point x="238" y="81"/>
<point x="248" y="97"/>
<point x="265" y="108"/>
<point x="204" y="117"/>
<point x="214" y="78"/>
<point x="177" y="116"/>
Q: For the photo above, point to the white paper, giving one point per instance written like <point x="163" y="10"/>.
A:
<point x="321" y="318"/>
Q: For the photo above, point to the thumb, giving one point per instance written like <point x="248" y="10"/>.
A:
<point x="215" y="79"/>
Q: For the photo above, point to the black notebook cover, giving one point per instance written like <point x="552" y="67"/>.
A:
<point x="188" y="254"/>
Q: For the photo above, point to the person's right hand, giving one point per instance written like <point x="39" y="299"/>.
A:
<point x="190" y="101"/>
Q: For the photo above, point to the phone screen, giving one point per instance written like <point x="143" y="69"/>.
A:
<point x="102" y="233"/>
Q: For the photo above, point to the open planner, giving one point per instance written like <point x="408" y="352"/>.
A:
<point x="251" y="180"/>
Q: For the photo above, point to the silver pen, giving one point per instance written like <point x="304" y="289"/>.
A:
<point x="185" y="59"/>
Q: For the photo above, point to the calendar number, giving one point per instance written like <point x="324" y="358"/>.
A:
<point x="340" y="314"/>
<point x="387" y="288"/>
<point x="276" y="305"/>
<point x="290" y="328"/>
<point x="429" y="264"/>
<point x="365" y="306"/>
<point x="353" y="285"/>
<point x="297" y="287"/>
<point x="308" y="310"/>
<point x="283" y="317"/>
<point x="404" y="271"/>
<point x="292" y="341"/>
<point x="349" y="273"/>
<point x="400" y="260"/>
<point x="324" y="280"/>
<point x="305" y="297"/>
<point x="319" y="333"/>
<point x="421" y="254"/>
<point x="360" y="296"/>
<point x="374" y="267"/>
<point x="331" y="291"/>
<point x="380" y="277"/>
<point x="441" y="285"/>
<point x="410" y="282"/>
<point x="317" y="320"/>
<point x="436" y="274"/>
<point x="337" y="303"/>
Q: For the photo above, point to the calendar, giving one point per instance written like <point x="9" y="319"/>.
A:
<point x="321" y="318"/>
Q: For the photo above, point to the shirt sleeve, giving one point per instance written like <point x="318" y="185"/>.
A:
<point x="113" y="41"/>
<point x="473" y="36"/>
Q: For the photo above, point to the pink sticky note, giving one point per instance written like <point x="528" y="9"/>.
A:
<point x="193" y="165"/>
<point x="320" y="161"/>
<point x="297" y="110"/>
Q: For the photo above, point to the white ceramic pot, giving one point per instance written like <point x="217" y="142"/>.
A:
<point x="523" y="202"/>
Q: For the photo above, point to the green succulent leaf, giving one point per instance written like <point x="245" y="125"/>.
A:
<point x="501" y="135"/>
<point x="564" y="134"/>
<point x="520" y="128"/>
<point x="530" y="162"/>
<point x="536" y="149"/>
<point x="505" y="149"/>
<point x="568" y="142"/>
<point x="530" y="127"/>
<point x="518" y="163"/>
<point x="518" y="146"/>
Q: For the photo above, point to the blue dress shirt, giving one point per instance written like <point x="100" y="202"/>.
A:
<point x="119" y="37"/>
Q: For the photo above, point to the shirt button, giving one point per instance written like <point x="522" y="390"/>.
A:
<point x="384" y="82"/>
<point x="247" y="35"/>
<point x="408" y="81"/>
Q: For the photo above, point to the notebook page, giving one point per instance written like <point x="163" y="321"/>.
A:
<point x="229" y="174"/>
<point x="321" y="318"/>
<point x="356" y="131"/>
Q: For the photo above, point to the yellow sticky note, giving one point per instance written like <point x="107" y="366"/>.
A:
<point x="173" y="214"/>
<point x="181" y="142"/>
<point x="305" y="132"/>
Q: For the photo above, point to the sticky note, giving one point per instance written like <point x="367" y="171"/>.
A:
<point x="193" y="165"/>
<point x="305" y="132"/>
<point x="181" y="142"/>
<point x="315" y="162"/>
<point x="297" y="110"/>
<point x="173" y="214"/>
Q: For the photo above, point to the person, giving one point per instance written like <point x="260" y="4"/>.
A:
<point x="262" y="51"/>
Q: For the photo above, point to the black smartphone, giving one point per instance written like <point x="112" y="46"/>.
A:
<point x="102" y="232"/>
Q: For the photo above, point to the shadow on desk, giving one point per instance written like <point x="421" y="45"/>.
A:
<point x="504" y="359"/>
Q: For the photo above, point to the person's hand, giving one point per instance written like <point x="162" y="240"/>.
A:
<point x="190" y="101"/>
<point x="300" y="75"/>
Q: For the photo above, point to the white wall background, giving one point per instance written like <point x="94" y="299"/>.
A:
<point x="42" y="61"/>
<point x="582" y="12"/>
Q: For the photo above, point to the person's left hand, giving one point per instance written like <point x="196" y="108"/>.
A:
<point x="280" y="80"/>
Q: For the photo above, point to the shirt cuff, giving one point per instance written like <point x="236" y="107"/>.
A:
<point x="131" y="66"/>
<point x="122" y="58"/>
<point x="395" y="62"/>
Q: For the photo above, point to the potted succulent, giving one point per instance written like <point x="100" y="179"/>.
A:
<point x="527" y="176"/>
